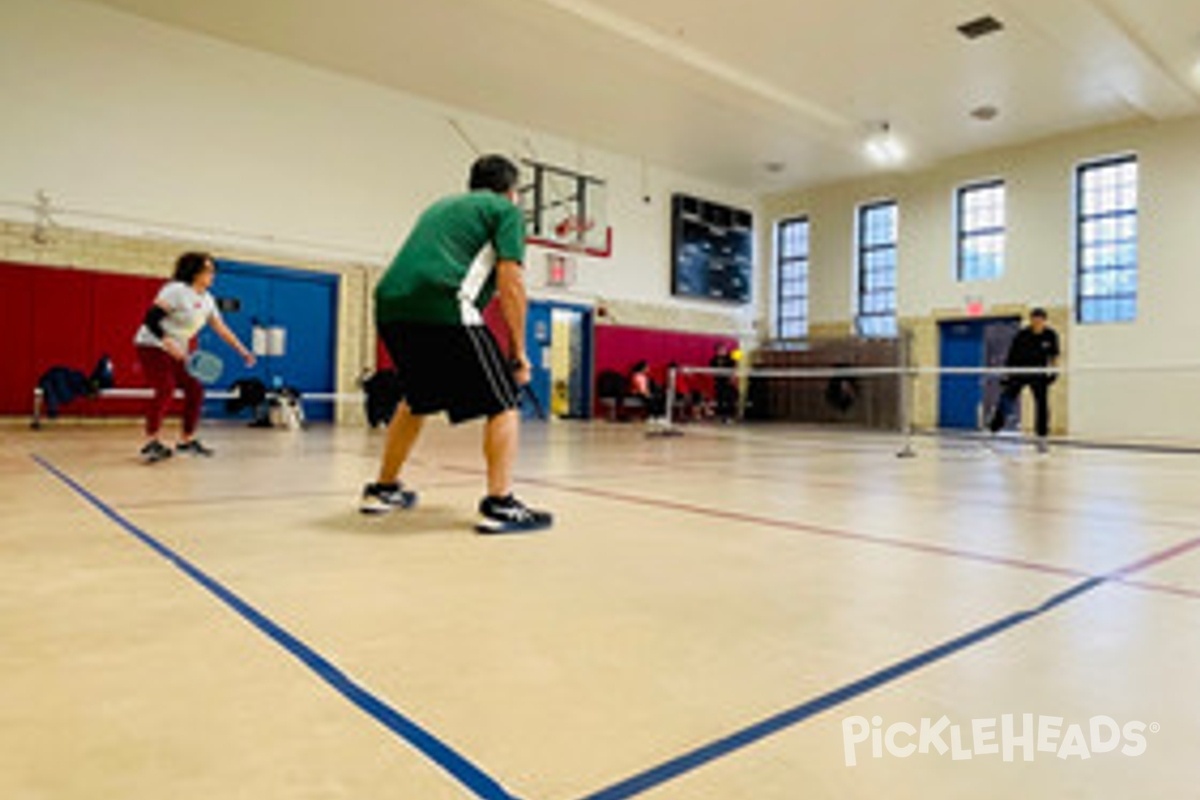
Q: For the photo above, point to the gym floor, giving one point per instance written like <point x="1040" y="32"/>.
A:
<point x="704" y="618"/>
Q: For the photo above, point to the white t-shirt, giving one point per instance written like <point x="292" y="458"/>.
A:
<point x="189" y="311"/>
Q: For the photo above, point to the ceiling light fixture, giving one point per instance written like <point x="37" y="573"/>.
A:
<point x="884" y="148"/>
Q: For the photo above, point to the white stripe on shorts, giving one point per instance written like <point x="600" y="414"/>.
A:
<point x="500" y="389"/>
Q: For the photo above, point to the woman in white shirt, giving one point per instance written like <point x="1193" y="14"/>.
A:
<point x="183" y="307"/>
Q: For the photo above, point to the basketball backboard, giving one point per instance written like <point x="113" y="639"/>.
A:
<point x="565" y="209"/>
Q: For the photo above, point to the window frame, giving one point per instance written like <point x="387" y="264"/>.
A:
<point x="962" y="235"/>
<point x="781" y="262"/>
<point x="862" y="251"/>
<point x="1082" y="302"/>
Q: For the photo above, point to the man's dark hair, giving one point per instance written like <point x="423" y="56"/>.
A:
<point x="493" y="173"/>
<point x="1038" y="313"/>
<point x="189" y="265"/>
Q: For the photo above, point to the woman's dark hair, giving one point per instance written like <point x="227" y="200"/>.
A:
<point x="189" y="265"/>
<point x="640" y="366"/>
<point x="493" y="173"/>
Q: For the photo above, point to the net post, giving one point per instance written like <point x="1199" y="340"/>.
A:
<point x="672" y="377"/>
<point x="908" y="376"/>
<point x="741" y="379"/>
<point x="36" y="421"/>
<point x="668" y="427"/>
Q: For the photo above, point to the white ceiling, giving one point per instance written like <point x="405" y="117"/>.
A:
<point x="717" y="89"/>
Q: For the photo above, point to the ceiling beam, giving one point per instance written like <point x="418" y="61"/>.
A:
<point x="632" y="31"/>
<point x="1105" y="47"/>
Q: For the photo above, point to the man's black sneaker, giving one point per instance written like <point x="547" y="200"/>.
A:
<point x="195" y="447"/>
<point x="380" y="498"/>
<point x="154" y="451"/>
<point x="510" y="515"/>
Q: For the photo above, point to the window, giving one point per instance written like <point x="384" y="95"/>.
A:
<point x="1106" y="258"/>
<point x="877" y="232"/>
<point x="981" y="221"/>
<point x="791" y="271"/>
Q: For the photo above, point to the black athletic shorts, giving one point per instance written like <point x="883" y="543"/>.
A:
<point x="457" y="369"/>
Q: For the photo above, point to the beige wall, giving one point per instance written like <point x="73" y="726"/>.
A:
<point x="152" y="132"/>
<point x="1039" y="271"/>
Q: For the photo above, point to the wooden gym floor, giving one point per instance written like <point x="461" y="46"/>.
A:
<point x="705" y="617"/>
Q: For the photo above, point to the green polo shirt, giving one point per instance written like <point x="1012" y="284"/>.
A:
<point x="445" y="273"/>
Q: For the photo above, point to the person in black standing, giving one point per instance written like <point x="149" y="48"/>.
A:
<point x="723" y="384"/>
<point x="1035" y="346"/>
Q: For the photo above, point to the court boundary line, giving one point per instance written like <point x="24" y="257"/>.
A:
<point x="409" y="731"/>
<point x="487" y="788"/>
<point x="717" y="749"/>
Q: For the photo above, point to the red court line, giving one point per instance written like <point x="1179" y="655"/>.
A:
<point x="1157" y="558"/>
<point x="921" y="547"/>
<point x="735" y="516"/>
<point x="1164" y="588"/>
<point x="966" y="497"/>
<point x="838" y="533"/>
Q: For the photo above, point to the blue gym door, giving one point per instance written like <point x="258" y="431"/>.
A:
<point x="965" y="400"/>
<point x="303" y="305"/>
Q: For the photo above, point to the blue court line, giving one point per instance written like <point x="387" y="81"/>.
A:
<point x="462" y="770"/>
<point x="694" y="759"/>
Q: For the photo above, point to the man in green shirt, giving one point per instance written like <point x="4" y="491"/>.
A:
<point x="465" y="250"/>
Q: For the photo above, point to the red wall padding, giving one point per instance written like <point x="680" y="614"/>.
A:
<point x="62" y="319"/>
<point x="68" y="317"/>
<point x="17" y="375"/>
<point x="618" y="348"/>
<point x="118" y="306"/>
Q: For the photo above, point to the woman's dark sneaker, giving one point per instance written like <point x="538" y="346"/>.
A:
<point x="195" y="447"/>
<point x="154" y="451"/>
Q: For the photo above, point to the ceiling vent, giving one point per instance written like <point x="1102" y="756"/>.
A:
<point x="985" y="113"/>
<point x="983" y="26"/>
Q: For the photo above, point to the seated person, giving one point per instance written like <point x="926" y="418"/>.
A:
<point x="644" y="389"/>
<point x="640" y="384"/>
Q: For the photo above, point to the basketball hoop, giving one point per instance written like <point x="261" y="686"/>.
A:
<point x="566" y="210"/>
<point x="574" y="228"/>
